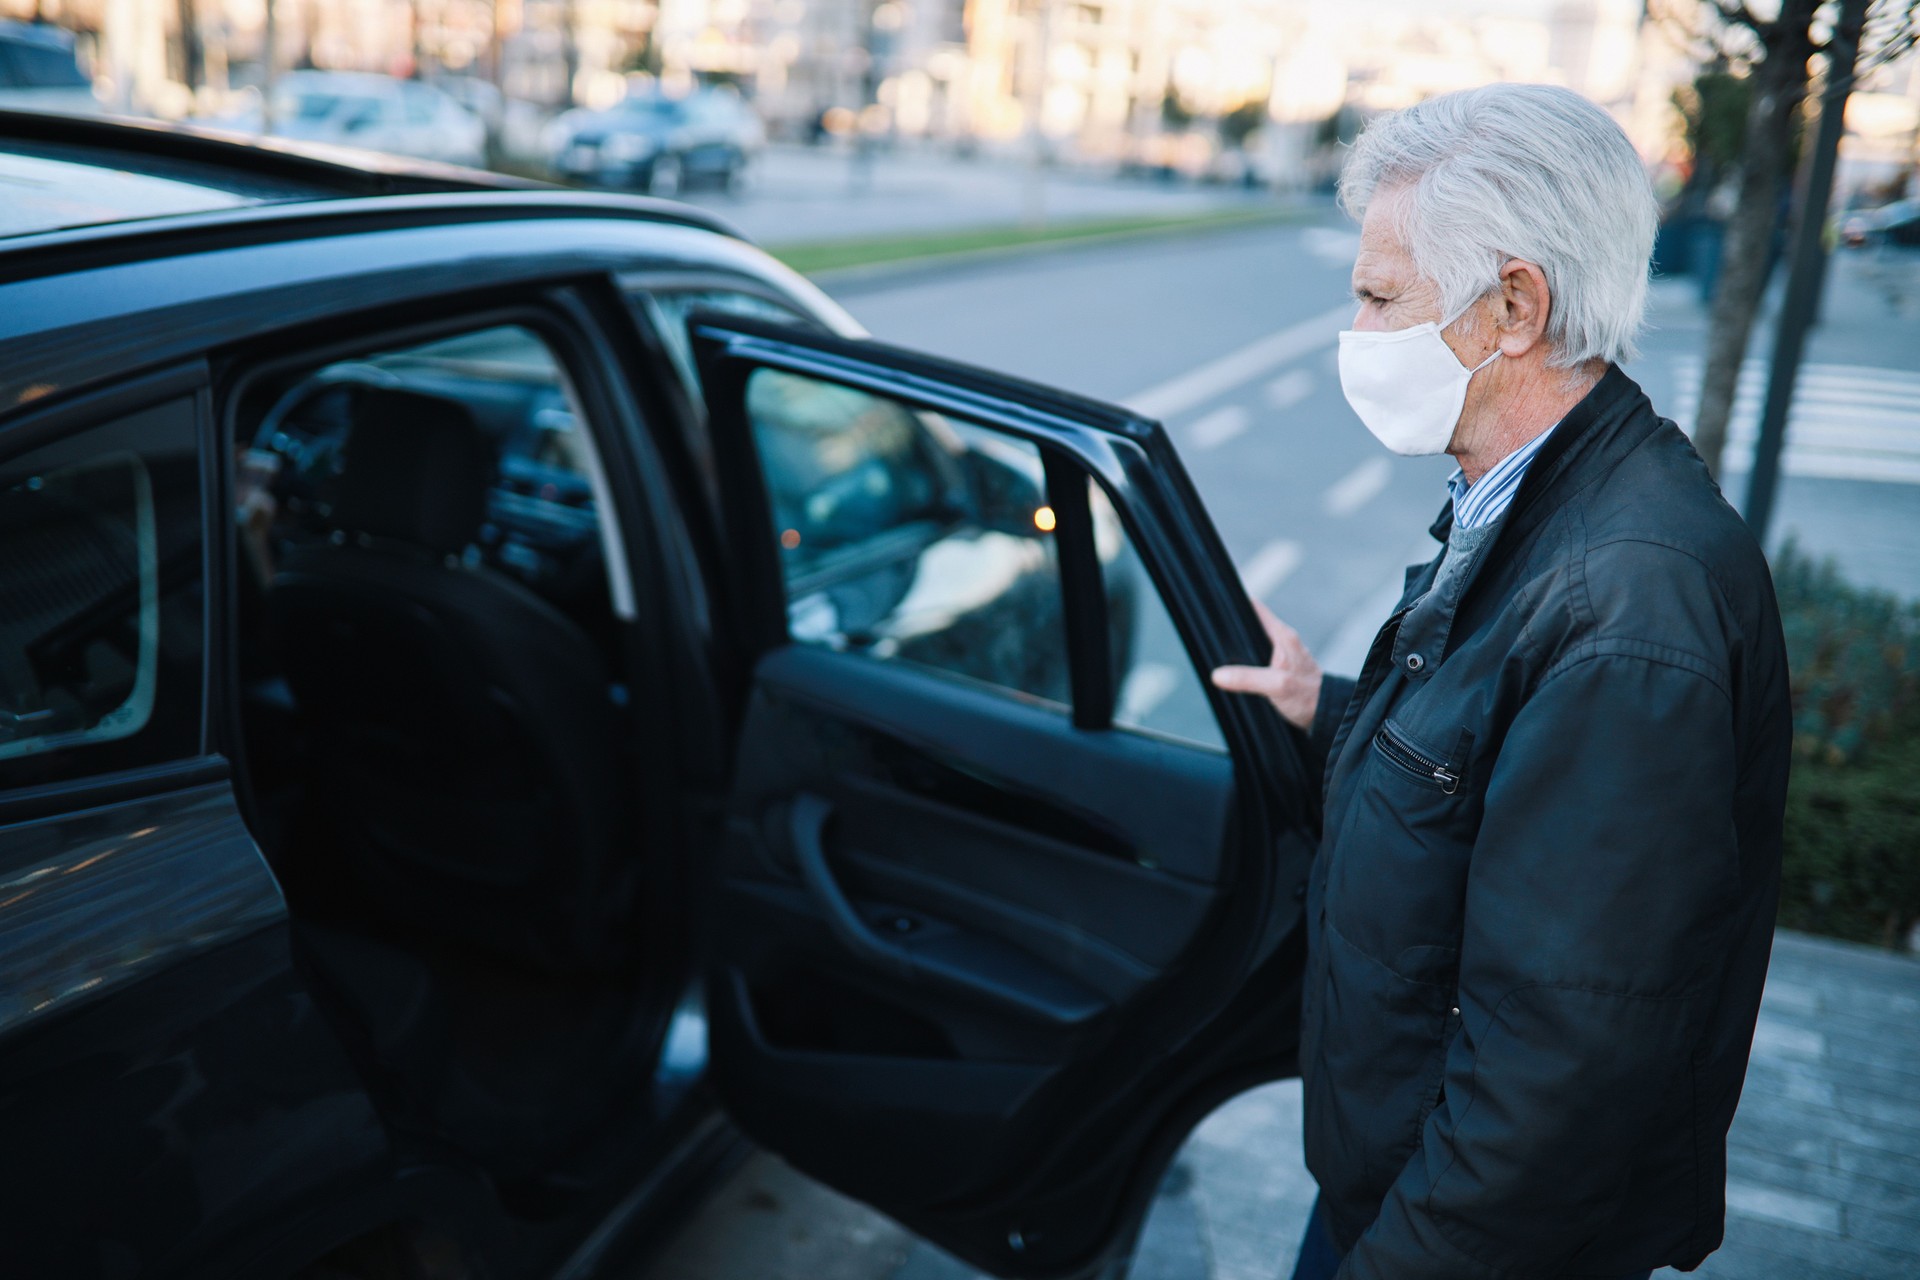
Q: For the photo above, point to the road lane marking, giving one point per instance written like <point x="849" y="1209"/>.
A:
<point x="1331" y="244"/>
<point x="1196" y="386"/>
<point x="1270" y="566"/>
<point x="1218" y="427"/>
<point x="1145" y="688"/>
<point x="1358" y="487"/>
<point x="1289" y="389"/>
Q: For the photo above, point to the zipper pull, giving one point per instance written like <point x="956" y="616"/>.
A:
<point x="1449" y="782"/>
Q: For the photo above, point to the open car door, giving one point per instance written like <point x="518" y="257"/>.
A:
<point x="1009" y="896"/>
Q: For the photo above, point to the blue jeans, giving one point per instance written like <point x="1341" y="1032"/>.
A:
<point x="1320" y="1257"/>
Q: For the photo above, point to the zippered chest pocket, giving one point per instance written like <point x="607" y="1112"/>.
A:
<point x="1421" y="764"/>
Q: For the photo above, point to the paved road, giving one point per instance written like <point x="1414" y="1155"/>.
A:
<point x="803" y="194"/>
<point x="1230" y="339"/>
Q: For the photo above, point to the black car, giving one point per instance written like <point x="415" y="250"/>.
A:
<point x="657" y="143"/>
<point x="499" y="687"/>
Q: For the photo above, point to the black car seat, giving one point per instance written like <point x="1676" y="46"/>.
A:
<point x="467" y="757"/>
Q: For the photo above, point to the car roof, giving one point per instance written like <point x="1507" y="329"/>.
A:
<point x="59" y="172"/>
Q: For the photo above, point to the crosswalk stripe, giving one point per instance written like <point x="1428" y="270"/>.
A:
<point x="1847" y="422"/>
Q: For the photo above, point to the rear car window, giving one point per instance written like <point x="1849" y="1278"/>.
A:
<point x="28" y="65"/>
<point x="101" y="616"/>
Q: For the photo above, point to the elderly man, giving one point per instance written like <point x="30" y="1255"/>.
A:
<point x="1540" y="917"/>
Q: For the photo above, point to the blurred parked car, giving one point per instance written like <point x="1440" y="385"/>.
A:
<point x="38" y="70"/>
<point x="1896" y="224"/>
<point x="373" y="113"/>
<point x="656" y="143"/>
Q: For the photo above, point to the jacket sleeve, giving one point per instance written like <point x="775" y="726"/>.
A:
<point x="1605" y="871"/>
<point x="1335" y="693"/>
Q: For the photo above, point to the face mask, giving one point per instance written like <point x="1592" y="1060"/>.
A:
<point x="1406" y="385"/>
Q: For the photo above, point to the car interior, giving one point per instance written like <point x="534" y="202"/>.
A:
<point x="951" y="877"/>
<point x="438" y="734"/>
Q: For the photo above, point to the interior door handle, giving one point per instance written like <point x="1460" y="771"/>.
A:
<point x="974" y="964"/>
<point x="808" y="826"/>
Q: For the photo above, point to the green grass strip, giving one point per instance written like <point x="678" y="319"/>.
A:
<point x="837" y="255"/>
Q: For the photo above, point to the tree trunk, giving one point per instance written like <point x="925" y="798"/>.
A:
<point x="193" y="62"/>
<point x="1780" y="87"/>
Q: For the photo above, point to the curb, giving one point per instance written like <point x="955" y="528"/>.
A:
<point x="901" y="269"/>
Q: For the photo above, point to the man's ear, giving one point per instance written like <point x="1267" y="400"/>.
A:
<point x="1524" y="307"/>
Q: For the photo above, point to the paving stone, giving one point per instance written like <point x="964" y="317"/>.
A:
<point x="1850" y="1190"/>
<point x="1774" y="1038"/>
<point x="1786" y="996"/>
<point x="1173" y="1242"/>
<point x="1753" y="1200"/>
<point x="1886" y="1166"/>
<point x="1885" y="1229"/>
<point x="929" y="1263"/>
<point x="1791" y="1081"/>
<point x="1756" y="1127"/>
<point x="1819" y="1255"/>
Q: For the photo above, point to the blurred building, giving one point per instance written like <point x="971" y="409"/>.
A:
<point x="1270" y="85"/>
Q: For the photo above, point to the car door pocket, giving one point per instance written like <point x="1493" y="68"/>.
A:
<point x="933" y="955"/>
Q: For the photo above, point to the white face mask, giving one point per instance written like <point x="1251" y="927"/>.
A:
<point x="1406" y="385"/>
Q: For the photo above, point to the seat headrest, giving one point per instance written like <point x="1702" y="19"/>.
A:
<point x="416" y="469"/>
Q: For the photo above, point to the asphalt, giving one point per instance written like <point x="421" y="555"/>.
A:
<point x="1230" y="337"/>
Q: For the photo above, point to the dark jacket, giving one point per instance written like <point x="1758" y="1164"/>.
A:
<point x="1541" y="913"/>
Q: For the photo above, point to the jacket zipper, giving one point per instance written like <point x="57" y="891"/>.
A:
<point x="1397" y="750"/>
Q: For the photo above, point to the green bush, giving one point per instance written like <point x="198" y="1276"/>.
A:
<point x="1852" y="862"/>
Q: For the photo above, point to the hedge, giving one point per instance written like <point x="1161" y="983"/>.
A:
<point x="1852" y="855"/>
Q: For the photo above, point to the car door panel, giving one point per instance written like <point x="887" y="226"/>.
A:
<point x="166" y="1080"/>
<point x="967" y="863"/>
<point x="957" y="927"/>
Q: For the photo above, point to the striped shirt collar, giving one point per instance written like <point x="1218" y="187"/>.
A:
<point x="1487" y="499"/>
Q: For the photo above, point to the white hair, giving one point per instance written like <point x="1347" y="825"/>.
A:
<point x="1524" y="171"/>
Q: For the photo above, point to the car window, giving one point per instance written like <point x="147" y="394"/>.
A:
<point x="26" y="65"/>
<point x="550" y="523"/>
<point x="1157" y="689"/>
<point x="906" y="536"/>
<point x="101" y="617"/>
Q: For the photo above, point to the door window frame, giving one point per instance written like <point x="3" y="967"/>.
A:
<point x="37" y="426"/>
<point x="574" y="335"/>
<point x="759" y="594"/>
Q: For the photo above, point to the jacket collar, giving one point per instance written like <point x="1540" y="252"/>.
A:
<point x="1607" y="423"/>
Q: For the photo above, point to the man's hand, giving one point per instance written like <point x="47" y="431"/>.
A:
<point x="1290" y="680"/>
